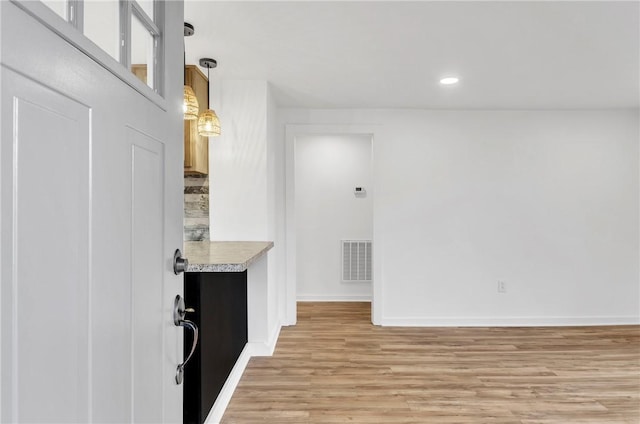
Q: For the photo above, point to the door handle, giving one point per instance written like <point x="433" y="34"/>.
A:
<point x="179" y="312"/>
<point x="180" y="264"/>
<point x="180" y="369"/>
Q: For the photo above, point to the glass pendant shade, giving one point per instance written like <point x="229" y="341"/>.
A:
<point x="208" y="124"/>
<point x="190" y="104"/>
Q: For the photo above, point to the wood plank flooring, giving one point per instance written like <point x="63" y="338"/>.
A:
<point x="335" y="367"/>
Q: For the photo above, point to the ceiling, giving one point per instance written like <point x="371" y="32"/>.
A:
<point x="391" y="54"/>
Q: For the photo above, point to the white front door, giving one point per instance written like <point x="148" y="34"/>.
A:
<point x="91" y="213"/>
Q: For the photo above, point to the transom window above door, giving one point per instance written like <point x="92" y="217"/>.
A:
<point x="128" y="30"/>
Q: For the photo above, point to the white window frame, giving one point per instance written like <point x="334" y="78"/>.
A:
<point x="71" y="30"/>
<point x="129" y="8"/>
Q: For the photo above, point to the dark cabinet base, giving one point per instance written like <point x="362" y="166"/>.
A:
<point x="220" y="303"/>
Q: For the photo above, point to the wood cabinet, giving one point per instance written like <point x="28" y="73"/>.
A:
<point x="140" y="71"/>
<point x="196" y="148"/>
<point x="219" y="300"/>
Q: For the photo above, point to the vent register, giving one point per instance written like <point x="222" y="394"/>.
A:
<point x="356" y="261"/>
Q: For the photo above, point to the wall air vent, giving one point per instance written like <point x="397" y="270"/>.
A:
<point x="356" y="261"/>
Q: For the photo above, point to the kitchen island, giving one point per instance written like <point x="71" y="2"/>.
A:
<point x="226" y="286"/>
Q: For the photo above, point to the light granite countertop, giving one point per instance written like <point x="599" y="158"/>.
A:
<point x="223" y="256"/>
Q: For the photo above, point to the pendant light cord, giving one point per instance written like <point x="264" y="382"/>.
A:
<point x="208" y="105"/>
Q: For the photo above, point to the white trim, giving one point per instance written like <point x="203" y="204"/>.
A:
<point x="250" y="350"/>
<point x="536" y="321"/>
<point x="290" y="227"/>
<point x="266" y="348"/>
<point x="291" y="132"/>
<point x="330" y="298"/>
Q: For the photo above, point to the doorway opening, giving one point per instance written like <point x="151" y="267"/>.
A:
<point x="330" y="217"/>
<point x="334" y="217"/>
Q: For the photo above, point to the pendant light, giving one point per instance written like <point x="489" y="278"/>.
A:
<point x="190" y="106"/>
<point x="208" y="122"/>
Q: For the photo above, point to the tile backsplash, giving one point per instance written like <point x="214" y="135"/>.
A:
<point x="196" y="207"/>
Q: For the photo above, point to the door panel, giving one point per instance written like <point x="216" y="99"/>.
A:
<point x="91" y="191"/>
<point x="51" y="281"/>
<point x="147" y="290"/>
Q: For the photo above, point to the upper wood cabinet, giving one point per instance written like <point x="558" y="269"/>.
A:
<point x="196" y="148"/>
<point x="140" y="71"/>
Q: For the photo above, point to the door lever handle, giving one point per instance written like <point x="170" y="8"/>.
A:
<point x="179" y="312"/>
<point x="180" y="369"/>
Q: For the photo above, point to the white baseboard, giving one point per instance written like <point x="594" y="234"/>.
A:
<point x="331" y="298"/>
<point x="509" y="321"/>
<point x="250" y="350"/>
<point x="265" y="349"/>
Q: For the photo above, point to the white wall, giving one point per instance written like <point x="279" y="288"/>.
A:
<point x="327" y="169"/>
<point x="544" y="200"/>
<point x="238" y="163"/>
<point x="102" y="26"/>
<point x="242" y="174"/>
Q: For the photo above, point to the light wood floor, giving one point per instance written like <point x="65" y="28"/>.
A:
<point x="335" y="367"/>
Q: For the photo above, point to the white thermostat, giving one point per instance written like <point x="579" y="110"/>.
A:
<point x="359" y="191"/>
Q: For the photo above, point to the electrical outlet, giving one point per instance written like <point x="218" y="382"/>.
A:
<point x="502" y="286"/>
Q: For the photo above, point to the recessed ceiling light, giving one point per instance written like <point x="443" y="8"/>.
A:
<point x="449" y="80"/>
